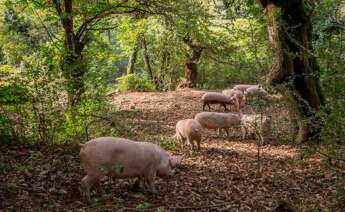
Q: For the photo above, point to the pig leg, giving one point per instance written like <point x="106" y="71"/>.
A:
<point x="191" y="142"/>
<point x="146" y="184"/>
<point x="237" y="105"/>
<point x="136" y="185"/>
<point x="244" y="133"/>
<point x="150" y="181"/>
<point x="224" y="105"/>
<point x="198" y="143"/>
<point x="177" y="136"/>
<point x="209" y="107"/>
<point x="219" y="131"/>
<point x="98" y="186"/>
<point x="86" y="183"/>
<point x="227" y="132"/>
<point x="242" y="102"/>
<point x="182" y="139"/>
<point x="203" y="106"/>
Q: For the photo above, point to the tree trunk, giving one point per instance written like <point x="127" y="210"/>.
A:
<point x="191" y="63"/>
<point x="190" y="73"/>
<point x="191" y="66"/>
<point x="295" y="70"/>
<point x="132" y="60"/>
<point x="147" y="59"/>
<point x="73" y="66"/>
<point x="164" y="70"/>
<point x="74" y="69"/>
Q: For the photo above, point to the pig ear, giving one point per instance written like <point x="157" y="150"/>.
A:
<point x="175" y="160"/>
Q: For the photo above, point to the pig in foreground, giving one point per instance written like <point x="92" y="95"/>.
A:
<point x="213" y="120"/>
<point x="243" y="87"/>
<point x="123" y="158"/>
<point x="190" y="130"/>
<point x="215" y="98"/>
<point x="256" y="125"/>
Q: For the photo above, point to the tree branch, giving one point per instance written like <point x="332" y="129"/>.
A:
<point x="263" y="3"/>
<point x="98" y="16"/>
<point x="58" y="7"/>
<point x="115" y="10"/>
<point x="102" y="28"/>
<point x="50" y="35"/>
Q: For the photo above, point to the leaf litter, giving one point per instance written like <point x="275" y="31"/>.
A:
<point x="222" y="176"/>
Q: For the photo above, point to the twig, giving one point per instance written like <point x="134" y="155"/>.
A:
<point x="171" y="208"/>
<point x="330" y="157"/>
<point x="101" y="117"/>
<point x="203" y="206"/>
<point x="50" y="35"/>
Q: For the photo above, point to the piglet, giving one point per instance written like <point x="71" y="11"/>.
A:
<point x="123" y="158"/>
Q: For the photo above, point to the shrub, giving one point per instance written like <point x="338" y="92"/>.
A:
<point x="134" y="82"/>
<point x="33" y="106"/>
<point x="334" y="130"/>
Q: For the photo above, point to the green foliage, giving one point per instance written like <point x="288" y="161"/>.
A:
<point x="330" y="47"/>
<point x="13" y="94"/>
<point x="12" y="91"/>
<point x="143" y="205"/>
<point x="334" y="129"/>
<point x="134" y="82"/>
<point x="168" y="143"/>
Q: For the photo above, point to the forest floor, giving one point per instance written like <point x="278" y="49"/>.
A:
<point x="223" y="176"/>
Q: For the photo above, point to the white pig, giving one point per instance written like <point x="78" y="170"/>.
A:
<point x="243" y="87"/>
<point x="215" y="98"/>
<point x="123" y="158"/>
<point x="213" y="120"/>
<point x="257" y="91"/>
<point x="190" y="130"/>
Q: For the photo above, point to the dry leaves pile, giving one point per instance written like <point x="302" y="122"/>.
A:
<point x="221" y="177"/>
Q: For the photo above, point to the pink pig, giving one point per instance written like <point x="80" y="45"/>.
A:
<point x="123" y="158"/>
<point x="190" y="130"/>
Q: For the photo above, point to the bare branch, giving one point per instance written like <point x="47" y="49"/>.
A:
<point x="102" y="28"/>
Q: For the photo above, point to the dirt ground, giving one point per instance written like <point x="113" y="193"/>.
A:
<point x="225" y="175"/>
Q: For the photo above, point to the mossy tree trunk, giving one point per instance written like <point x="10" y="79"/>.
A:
<point x="73" y="65"/>
<point x="191" y="67"/>
<point x="146" y="58"/>
<point x="295" y="71"/>
<point x="132" y="60"/>
<point x="191" y="63"/>
<point x="164" y="70"/>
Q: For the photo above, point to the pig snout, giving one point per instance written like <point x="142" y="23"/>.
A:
<point x="166" y="174"/>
